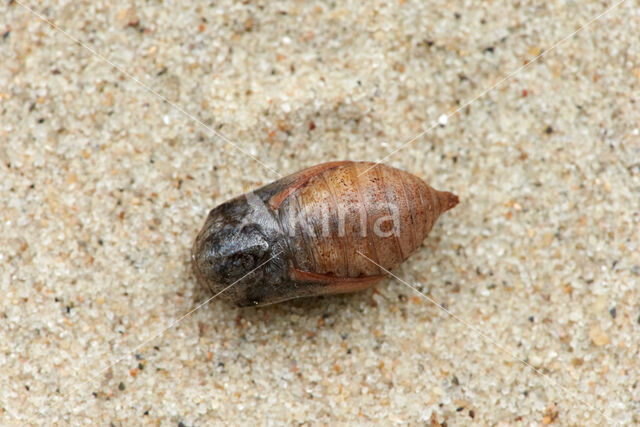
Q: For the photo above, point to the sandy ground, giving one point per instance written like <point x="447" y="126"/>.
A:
<point x="107" y="177"/>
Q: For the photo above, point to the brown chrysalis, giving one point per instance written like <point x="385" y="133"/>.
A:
<point x="306" y="233"/>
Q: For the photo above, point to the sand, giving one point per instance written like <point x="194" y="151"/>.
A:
<point x="107" y="177"/>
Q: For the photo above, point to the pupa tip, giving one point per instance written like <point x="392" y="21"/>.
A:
<point x="449" y="200"/>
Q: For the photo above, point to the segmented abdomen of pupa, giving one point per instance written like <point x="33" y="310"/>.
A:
<point x="351" y="211"/>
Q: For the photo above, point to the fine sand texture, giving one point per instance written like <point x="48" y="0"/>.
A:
<point x="122" y="123"/>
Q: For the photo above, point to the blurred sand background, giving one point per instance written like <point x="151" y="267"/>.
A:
<point x="104" y="186"/>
